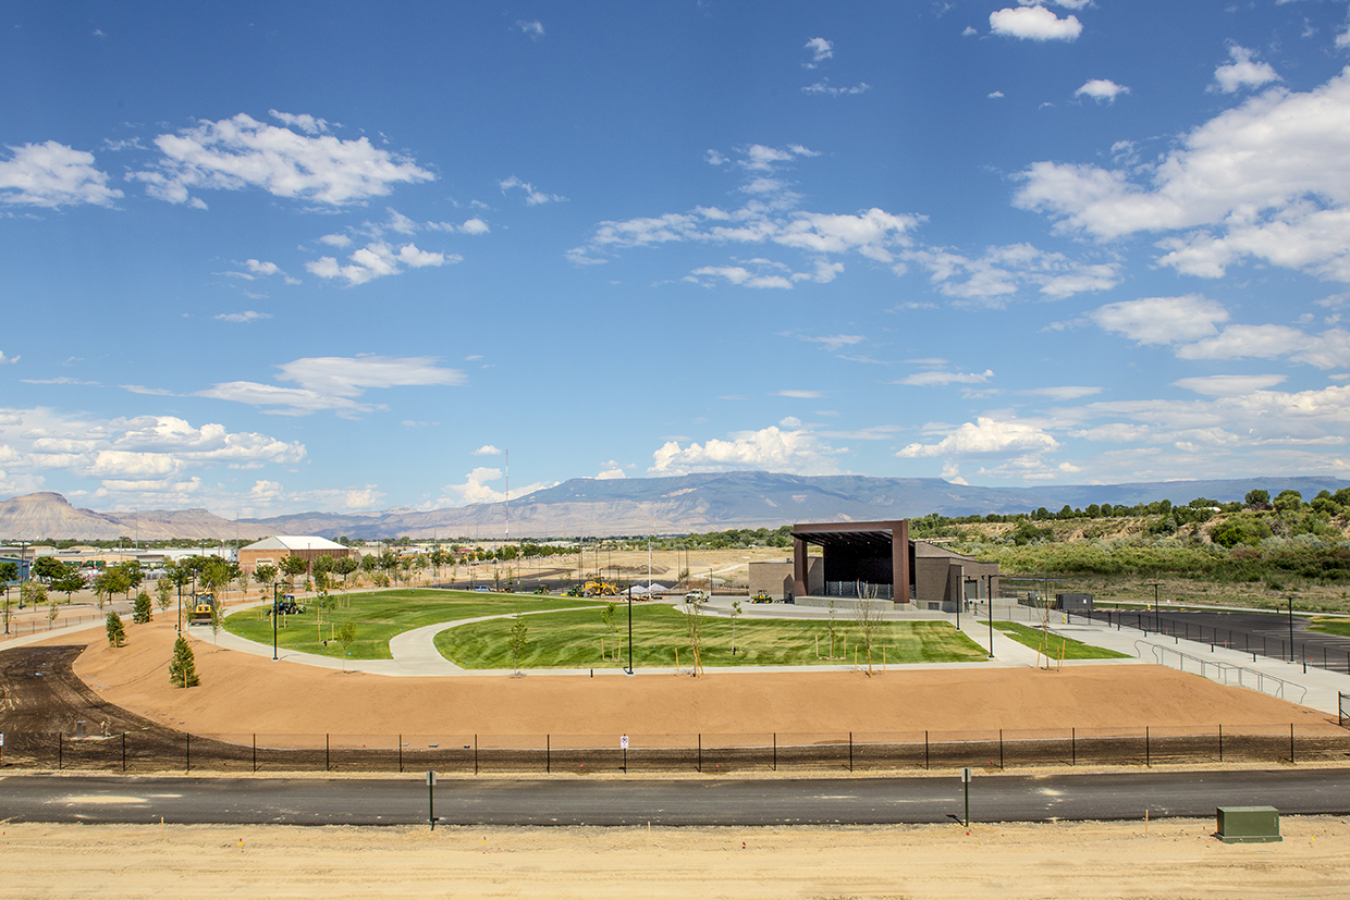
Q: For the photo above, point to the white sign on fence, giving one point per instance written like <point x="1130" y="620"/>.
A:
<point x="965" y="775"/>
<point x="431" y="777"/>
<point x="623" y="742"/>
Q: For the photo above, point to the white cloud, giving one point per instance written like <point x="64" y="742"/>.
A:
<point x="772" y="449"/>
<point x="821" y="49"/>
<point x="262" y="268"/>
<point x="1229" y="385"/>
<point x="241" y="152"/>
<point x="376" y="260"/>
<point x="335" y="383"/>
<point x="1162" y="320"/>
<point x="533" y="28"/>
<point x="800" y="394"/>
<point x="533" y="196"/>
<point x="245" y="316"/>
<point x="941" y="379"/>
<point x="305" y="122"/>
<point x="1034" y="23"/>
<point x="474" y="226"/>
<point x="983" y="437"/>
<point x="741" y="276"/>
<point x="157" y="454"/>
<point x="1328" y="350"/>
<point x="1002" y="271"/>
<point x="8" y="359"/>
<point x="1243" y="72"/>
<point x="52" y="175"/>
<point x="487" y="450"/>
<point x="836" y="342"/>
<point x="610" y="471"/>
<point x="1100" y="89"/>
<point x="475" y="489"/>
<point x="823" y="87"/>
<point x="1269" y="179"/>
<point x="995" y="95"/>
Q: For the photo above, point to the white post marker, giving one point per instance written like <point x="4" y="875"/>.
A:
<point x="623" y="742"/>
<point x="623" y="745"/>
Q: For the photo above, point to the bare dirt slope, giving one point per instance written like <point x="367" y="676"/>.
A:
<point x="1102" y="861"/>
<point x="242" y="693"/>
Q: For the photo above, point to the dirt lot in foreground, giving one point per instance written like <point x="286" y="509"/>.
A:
<point x="1174" y="859"/>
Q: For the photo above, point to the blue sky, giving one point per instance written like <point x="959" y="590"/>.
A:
<point x="267" y="257"/>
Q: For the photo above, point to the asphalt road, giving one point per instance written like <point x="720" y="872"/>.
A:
<point x="617" y="802"/>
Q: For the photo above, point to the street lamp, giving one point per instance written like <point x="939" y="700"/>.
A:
<point x="275" y="585"/>
<point x="1291" y="628"/>
<point x="1157" y="625"/>
<point x="989" y="592"/>
<point x="630" y="629"/>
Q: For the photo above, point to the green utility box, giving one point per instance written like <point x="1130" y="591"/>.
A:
<point x="1249" y="824"/>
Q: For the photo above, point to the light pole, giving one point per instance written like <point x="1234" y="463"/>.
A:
<point x="274" y="621"/>
<point x="989" y="584"/>
<point x="1291" y="628"/>
<point x="1157" y="626"/>
<point x="630" y="629"/>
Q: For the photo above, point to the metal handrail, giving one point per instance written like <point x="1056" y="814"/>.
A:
<point x="1224" y="671"/>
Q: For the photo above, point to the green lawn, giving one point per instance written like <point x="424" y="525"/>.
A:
<point x="572" y="640"/>
<point x="1328" y="625"/>
<point x="1034" y="638"/>
<point x="381" y="615"/>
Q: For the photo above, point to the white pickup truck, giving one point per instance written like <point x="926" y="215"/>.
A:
<point x="696" y="596"/>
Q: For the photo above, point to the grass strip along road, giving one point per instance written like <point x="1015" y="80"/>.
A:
<point x="573" y="640"/>
<point x="379" y="616"/>
<point x="1054" y="645"/>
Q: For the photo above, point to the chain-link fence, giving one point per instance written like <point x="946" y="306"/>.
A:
<point x="468" y="754"/>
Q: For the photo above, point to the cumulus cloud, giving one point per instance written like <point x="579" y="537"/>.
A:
<point x="335" y="383"/>
<point x="1002" y="272"/>
<point x="476" y="489"/>
<point x="1269" y="180"/>
<point x="533" y="196"/>
<point x="145" y="453"/>
<point x="1162" y="320"/>
<point x="610" y="471"/>
<point x="241" y="152"/>
<point x="1243" y="72"/>
<point x="984" y="437"/>
<point x="52" y="175"/>
<point x="1034" y="23"/>
<point x="821" y="50"/>
<point x="944" y="378"/>
<point x="376" y="260"/>
<point x="487" y="450"/>
<point x="532" y="27"/>
<point x="835" y="342"/>
<point x="1101" y="89"/>
<point x="772" y="449"/>
<point x="8" y="360"/>
<point x="246" y="316"/>
<point x="1229" y="385"/>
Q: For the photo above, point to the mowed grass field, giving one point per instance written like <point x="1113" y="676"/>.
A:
<point x="573" y="640"/>
<point x="1071" y="649"/>
<point x="380" y="615"/>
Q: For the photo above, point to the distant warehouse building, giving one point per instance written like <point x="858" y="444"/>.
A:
<point x="271" y="551"/>
<point x="873" y="561"/>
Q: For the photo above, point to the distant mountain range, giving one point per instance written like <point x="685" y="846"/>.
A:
<point x="634" y="506"/>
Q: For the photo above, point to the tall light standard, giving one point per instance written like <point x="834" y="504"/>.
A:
<point x="989" y="593"/>
<point x="630" y="629"/>
<point x="1291" y="628"/>
<point x="1157" y="627"/>
<point x="275" y="585"/>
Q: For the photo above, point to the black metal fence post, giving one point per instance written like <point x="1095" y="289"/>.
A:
<point x="400" y="754"/>
<point x="1220" y="743"/>
<point x="187" y="751"/>
<point x="255" y="753"/>
<point x="60" y="748"/>
<point x="925" y="750"/>
<point x="1291" y="743"/>
<point x="1148" y="754"/>
<point x="475" y="754"/>
<point x="850" y="751"/>
<point x="700" y="753"/>
<point x="1000" y="749"/>
<point x="1073" y="746"/>
<point x="124" y="753"/>
<point x="327" y="753"/>
<point x="775" y="751"/>
<point x="548" y="756"/>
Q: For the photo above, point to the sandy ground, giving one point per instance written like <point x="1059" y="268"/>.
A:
<point x="1174" y="859"/>
<point x="243" y="693"/>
